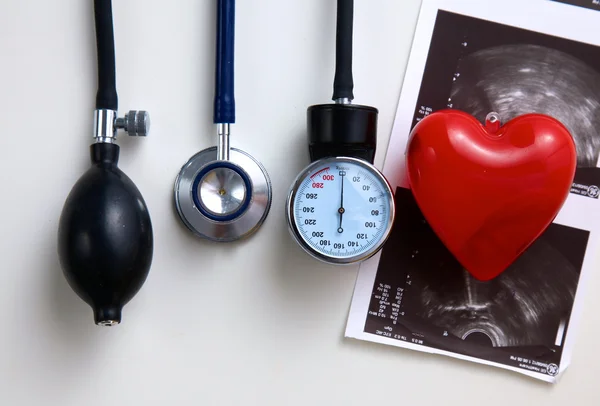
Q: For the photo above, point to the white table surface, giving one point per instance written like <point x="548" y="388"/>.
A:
<point x="251" y="323"/>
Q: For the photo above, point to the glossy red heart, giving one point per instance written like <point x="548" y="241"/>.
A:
<point x="488" y="191"/>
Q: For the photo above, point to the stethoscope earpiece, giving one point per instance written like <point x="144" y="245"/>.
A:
<point x="223" y="194"/>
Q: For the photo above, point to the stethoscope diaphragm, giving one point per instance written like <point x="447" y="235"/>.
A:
<point x="223" y="200"/>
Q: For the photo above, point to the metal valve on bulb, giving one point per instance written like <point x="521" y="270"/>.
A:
<point x="106" y="124"/>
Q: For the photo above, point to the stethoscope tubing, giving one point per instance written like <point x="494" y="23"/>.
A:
<point x="224" y="99"/>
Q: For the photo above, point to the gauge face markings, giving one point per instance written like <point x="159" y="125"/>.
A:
<point x="341" y="209"/>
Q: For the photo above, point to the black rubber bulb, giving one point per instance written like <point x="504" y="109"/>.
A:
<point x="105" y="238"/>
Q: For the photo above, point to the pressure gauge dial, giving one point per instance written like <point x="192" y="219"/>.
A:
<point x="340" y="210"/>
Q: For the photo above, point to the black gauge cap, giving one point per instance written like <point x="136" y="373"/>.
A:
<point x="342" y="130"/>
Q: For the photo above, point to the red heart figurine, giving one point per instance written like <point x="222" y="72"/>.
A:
<point x="488" y="191"/>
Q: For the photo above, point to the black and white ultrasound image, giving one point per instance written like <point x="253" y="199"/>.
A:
<point x="422" y="295"/>
<point x="479" y="66"/>
<point x="591" y="4"/>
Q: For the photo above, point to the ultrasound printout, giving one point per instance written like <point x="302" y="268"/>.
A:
<point x="591" y="4"/>
<point x="480" y="58"/>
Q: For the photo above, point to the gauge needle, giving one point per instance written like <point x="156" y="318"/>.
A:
<point x="341" y="209"/>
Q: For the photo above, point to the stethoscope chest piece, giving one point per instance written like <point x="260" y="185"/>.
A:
<point x="223" y="194"/>
<point x="223" y="200"/>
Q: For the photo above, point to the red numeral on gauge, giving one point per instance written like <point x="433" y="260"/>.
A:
<point x="327" y="177"/>
<point x="317" y="185"/>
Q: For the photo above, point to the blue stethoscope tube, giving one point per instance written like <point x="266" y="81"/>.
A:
<point x="224" y="103"/>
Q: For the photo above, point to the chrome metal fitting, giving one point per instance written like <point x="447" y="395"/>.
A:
<point x="343" y="100"/>
<point x="104" y="126"/>
<point x="223" y="146"/>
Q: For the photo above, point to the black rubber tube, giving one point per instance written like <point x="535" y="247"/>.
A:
<point x="106" y="97"/>
<point x="343" y="83"/>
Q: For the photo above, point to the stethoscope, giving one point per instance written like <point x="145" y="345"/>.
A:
<point x="222" y="193"/>
<point x="105" y="237"/>
<point x="340" y="209"/>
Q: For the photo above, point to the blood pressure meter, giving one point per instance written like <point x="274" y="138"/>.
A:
<point x="340" y="208"/>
